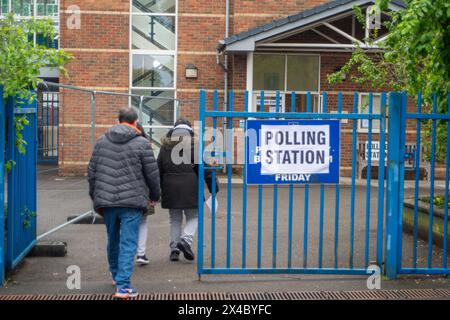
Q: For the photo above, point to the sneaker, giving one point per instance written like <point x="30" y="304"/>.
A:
<point x="175" y="255"/>
<point x="186" y="249"/>
<point x="142" y="260"/>
<point x="126" y="293"/>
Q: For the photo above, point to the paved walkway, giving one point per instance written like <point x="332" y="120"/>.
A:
<point x="62" y="197"/>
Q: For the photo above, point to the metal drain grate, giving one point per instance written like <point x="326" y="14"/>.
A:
<point x="305" y="295"/>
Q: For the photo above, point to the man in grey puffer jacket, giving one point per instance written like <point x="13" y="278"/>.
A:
<point x="123" y="178"/>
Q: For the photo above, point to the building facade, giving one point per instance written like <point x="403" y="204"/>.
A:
<point x="167" y="50"/>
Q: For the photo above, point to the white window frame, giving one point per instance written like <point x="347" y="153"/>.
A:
<point x="253" y="98"/>
<point x="361" y="129"/>
<point x="173" y="53"/>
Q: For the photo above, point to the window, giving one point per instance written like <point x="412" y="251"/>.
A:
<point x="158" y="110"/>
<point x="153" y="71"/>
<point x="153" y="64"/>
<point x="23" y="7"/>
<point x="47" y="8"/>
<point x="363" y="108"/>
<point x="287" y="73"/>
<point x="38" y="9"/>
<point x="303" y="73"/>
<point x="269" y="72"/>
<point x="4" y="7"/>
<point x="153" y="32"/>
<point x="154" y="6"/>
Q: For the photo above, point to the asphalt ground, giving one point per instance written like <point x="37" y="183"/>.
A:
<point x="59" y="198"/>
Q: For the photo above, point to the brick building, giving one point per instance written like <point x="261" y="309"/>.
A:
<point x="170" y="49"/>
<point x="150" y="47"/>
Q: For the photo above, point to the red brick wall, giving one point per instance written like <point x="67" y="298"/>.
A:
<point x="101" y="61"/>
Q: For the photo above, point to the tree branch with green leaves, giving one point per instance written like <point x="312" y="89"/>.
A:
<point x="415" y="57"/>
<point x="21" y="62"/>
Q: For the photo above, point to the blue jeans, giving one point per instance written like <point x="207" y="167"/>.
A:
<point x="122" y="226"/>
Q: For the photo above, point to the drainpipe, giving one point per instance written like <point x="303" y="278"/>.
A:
<point x="225" y="89"/>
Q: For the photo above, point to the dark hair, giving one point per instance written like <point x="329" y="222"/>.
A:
<point x="183" y="121"/>
<point x="141" y="128"/>
<point x="127" y="115"/>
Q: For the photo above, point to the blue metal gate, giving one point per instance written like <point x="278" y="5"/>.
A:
<point x="314" y="229"/>
<point x="319" y="229"/>
<point x="2" y="187"/>
<point x="22" y="188"/>
<point x="419" y="259"/>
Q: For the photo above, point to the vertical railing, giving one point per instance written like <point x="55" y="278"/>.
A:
<point x="432" y="177"/>
<point x="229" y="164"/>
<point x="395" y="203"/>
<point x="244" y="197"/>
<point x="368" y="184"/>
<point x="337" y="205"/>
<point x="306" y="205"/>
<point x="275" y="204"/>
<point x="201" y="184"/>
<point x="446" y="194"/>
<point x="2" y="188"/>
<point x="381" y="178"/>
<point x="322" y="199"/>
<point x="291" y="198"/>
<point x="260" y="202"/>
<point x="352" y="192"/>
<point x="214" y="187"/>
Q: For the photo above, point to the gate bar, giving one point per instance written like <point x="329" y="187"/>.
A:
<point x="337" y="204"/>
<point x="244" y="197"/>
<point x="381" y="178"/>
<point x="275" y="202"/>
<point x="214" y="189"/>
<point x="432" y="169"/>
<point x="229" y="177"/>
<point x="260" y="199"/>
<point x="201" y="184"/>
<point x="2" y="188"/>
<point x="352" y="192"/>
<point x="291" y="196"/>
<point x="368" y="183"/>
<point x="306" y="206"/>
<point x="446" y="196"/>
<point x="416" y="183"/>
<point x="291" y="115"/>
<point x="322" y="198"/>
<point x="321" y="271"/>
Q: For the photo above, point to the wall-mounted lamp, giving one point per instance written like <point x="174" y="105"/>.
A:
<point x="191" y="71"/>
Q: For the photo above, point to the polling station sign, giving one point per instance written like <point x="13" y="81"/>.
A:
<point x="292" y="151"/>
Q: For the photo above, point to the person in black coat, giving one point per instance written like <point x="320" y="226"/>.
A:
<point x="179" y="186"/>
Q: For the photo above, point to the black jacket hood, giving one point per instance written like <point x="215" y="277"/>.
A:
<point x="121" y="134"/>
